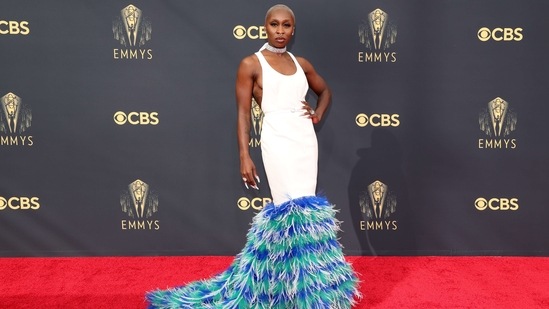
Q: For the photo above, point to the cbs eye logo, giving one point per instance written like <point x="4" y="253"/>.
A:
<point x="136" y="118"/>
<point x="377" y="120"/>
<point x="19" y="203"/>
<point x="482" y="204"/>
<point x="253" y="32"/>
<point x="256" y="203"/>
<point x="500" y="34"/>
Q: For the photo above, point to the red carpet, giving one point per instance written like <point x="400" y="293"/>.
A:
<point x="388" y="282"/>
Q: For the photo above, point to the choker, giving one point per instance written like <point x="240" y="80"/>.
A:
<point x="274" y="49"/>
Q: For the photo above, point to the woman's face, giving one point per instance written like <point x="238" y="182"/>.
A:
<point x="279" y="27"/>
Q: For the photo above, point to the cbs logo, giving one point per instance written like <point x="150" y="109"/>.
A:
<point x="496" y="203"/>
<point x="253" y="32"/>
<point x="377" y="120"/>
<point x="256" y="203"/>
<point x="500" y="34"/>
<point x="17" y="203"/>
<point x="14" y="27"/>
<point x="136" y="118"/>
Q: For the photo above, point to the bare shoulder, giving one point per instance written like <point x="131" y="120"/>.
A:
<point x="249" y="64"/>
<point x="305" y="64"/>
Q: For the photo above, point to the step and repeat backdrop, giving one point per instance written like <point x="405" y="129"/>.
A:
<point x="118" y="125"/>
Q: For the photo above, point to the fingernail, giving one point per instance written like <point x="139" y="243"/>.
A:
<point x="257" y="177"/>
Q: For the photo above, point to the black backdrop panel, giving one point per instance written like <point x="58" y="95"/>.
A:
<point x="118" y="120"/>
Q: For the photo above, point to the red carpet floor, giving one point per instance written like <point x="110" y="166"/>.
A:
<point x="387" y="282"/>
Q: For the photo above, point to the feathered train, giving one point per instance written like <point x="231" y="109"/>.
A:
<point x="291" y="260"/>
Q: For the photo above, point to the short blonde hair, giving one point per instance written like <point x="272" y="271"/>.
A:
<point x="278" y="7"/>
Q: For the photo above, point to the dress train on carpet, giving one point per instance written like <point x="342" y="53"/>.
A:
<point x="291" y="260"/>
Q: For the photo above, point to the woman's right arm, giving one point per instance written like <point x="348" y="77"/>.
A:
<point x="244" y="88"/>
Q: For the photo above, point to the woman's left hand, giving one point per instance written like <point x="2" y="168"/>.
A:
<point x="309" y="111"/>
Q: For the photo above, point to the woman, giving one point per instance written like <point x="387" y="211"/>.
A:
<point x="292" y="258"/>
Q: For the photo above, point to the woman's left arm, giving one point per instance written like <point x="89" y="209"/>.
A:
<point x="319" y="86"/>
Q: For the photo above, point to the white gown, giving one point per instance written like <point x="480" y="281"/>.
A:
<point x="288" y="140"/>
